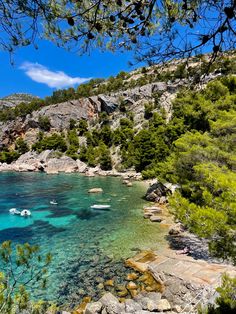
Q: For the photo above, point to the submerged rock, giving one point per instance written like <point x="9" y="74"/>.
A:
<point x="96" y="190"/>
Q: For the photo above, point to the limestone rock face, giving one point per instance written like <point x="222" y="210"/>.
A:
<point x="108" y="104"/>
<point x="60" y="114"/>
<point x="63" y="164"/>
<point x="5" y="167"/>
<point x="82" y="167"/>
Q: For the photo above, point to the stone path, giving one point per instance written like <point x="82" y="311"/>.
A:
<point x="183" y="267"/>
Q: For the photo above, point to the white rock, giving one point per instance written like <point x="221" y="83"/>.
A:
<point x="93" y="308"/>
<point x="163" y="305"/>
<point x="111" y="303"/>
<point x="156" y="218"/>
<point x="96" y="190"/>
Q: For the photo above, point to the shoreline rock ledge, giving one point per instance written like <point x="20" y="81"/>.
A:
<point x="49" y="162"/>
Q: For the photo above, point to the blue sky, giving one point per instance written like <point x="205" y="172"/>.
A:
<point x="41" y="71"/>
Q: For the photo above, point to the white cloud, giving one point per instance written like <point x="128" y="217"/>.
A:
<point x="57" y="79"/>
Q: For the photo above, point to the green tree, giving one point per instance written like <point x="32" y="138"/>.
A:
<point x="72" y="124"/>
<point x="160" y="30"/>
<point x="54" y="141"/>
<point x="21" y="146"/>
<point x="105" y="157"/>
<point x="83" y="126"/>
<point x="9" y="156"/>
<point x="44" y="123"/>
<point x="226" y="301"/>
<point x="22" y="266"/>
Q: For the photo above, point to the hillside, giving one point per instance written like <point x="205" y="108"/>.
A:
<point x="16" y="99"/>
<point x="171" y="123"/>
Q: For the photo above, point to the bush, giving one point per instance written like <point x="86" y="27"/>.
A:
<point x="105" y="158"/>
<point x="55" y="141"/>
<point x="44" y="123"/>
<point x="82" y="127"/>
<point x="9" y="156"/>
<point x="226" y="301"/>
<point x="148" y="111"/>
<point x="21" y="146"/>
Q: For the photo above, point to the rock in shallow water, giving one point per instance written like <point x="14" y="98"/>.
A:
<point x="96" y="190"/>
<point x="156" y="218"/>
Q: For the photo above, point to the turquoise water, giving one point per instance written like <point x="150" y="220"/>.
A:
<point x="79" y="238"/>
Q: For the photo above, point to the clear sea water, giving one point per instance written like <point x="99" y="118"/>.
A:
<point x="71" y="231"/>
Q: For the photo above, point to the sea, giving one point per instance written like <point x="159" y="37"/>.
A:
<point x="87" y="245"/>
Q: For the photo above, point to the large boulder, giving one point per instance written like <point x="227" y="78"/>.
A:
<point x="5" y="167"/>
<point x="63" y="164"/>
<point x="111" y="303"/>
<point x="32" y="161"/>
<point x="93" y="308"/>
<point x="159" y="87"/>
<point x="82" y="166"/>
<point x="108" y="104"/>
<point x="156" y="191"/>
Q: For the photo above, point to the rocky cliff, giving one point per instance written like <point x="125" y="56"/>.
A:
<point x="125" y="102"/>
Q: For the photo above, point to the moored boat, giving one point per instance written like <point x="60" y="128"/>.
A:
<point x="100" y="206"/>
<point x="25" y="213"/>
<point x="14" y="211"/>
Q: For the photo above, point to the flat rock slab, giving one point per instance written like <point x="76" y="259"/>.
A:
<point x="184" y="267"/>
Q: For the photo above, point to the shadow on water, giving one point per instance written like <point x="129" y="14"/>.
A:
<point x="26" y="234"/>
<point x="60" y="212"/>
<point x="86" y="214"/>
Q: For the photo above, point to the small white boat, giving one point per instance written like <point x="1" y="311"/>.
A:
<point x="14" y="211"/>
<point x="25" y="213"/>
<point x="100" y="206"/>
<point x="53" y="202"/>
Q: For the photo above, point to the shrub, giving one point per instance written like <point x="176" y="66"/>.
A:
<point x="44" y="123"/>
<point x="21" y="146"/>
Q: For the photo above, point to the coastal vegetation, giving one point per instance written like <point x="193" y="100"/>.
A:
<point x="195" y="149"/>
<point x="22" y="268"/>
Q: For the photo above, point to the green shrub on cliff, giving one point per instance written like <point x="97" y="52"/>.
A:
<point x="9" y="156"/>
<point x="44" y="123"/>
<point x="105" y="157"/>
<point x="21" y="146"/>
<point x="54" y="141"/>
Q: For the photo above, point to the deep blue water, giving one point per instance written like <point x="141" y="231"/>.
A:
<point x="75" y="234"/>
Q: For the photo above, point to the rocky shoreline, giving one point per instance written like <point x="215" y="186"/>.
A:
<point x="48" y="162"/>
<point x="166" y="294"/>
